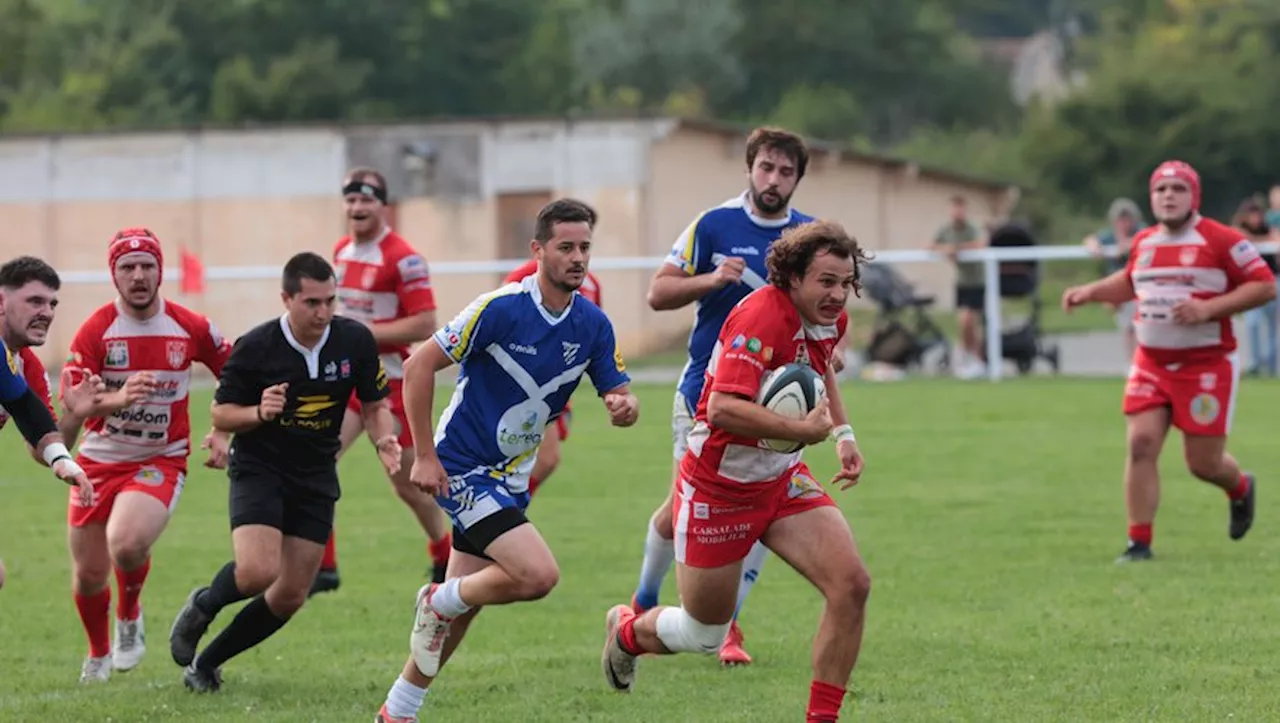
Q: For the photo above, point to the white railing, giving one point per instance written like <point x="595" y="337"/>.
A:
<point x="990" y="258"/>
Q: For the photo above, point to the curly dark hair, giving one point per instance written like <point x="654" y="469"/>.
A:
<point x="789" y="257"/>
<point x="783" y="141"/>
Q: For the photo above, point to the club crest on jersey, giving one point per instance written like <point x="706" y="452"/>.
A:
<point x="117" y="355"/>
<point x="802" y="354"/>
<point x="1187" y="256"/>
<point x="331" y="372"/>
<point x="344" y="368"/>
<point x="176" y="353"/>
<point x="370" y="275"/>
<point x="570" y="351"/>
<point x="1145" y="258"/>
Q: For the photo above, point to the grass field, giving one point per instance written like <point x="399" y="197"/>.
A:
<point x="989" y="525"/>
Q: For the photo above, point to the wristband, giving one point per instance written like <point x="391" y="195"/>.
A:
<point x="843" y="433"/>
<point x="54" y="452"/>
<point x="389" y="438"/>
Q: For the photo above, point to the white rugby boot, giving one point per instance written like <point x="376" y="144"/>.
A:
<point x="129" y="645"/>
<point x="430" y="630"/>
<point x="96" y="670"/>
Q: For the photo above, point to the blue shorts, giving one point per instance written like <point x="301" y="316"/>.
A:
<point x="482" y="509"/>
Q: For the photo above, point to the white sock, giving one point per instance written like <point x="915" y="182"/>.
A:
<point x="448" y="601"/>
<point x="404" y="699"/>
<point x="750" y="573"/>
<point x="659" y="553"/>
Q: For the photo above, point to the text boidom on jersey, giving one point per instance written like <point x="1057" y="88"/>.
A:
<point x="116" y="346"/>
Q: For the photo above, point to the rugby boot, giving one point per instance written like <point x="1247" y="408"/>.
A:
<point x="731" y="650"/>
<point x="1242" y="509"/>
<point x="1136" y="552"/>
<point x="619" y="665"/>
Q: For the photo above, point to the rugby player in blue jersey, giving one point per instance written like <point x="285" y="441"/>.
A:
<point x="522" y="350"/>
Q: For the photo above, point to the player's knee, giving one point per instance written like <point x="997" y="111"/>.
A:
<point x="128" y="551"/>
<point x="538" y="582"/>
<point x="1144" y="446"/>
<point x="852" y="587"/>
<point x="255" y="576"/>
<point x="89" y="579"/>
<point x="663" y="522"/>
<point x="681" y="633"/>
<point x="284" y="600"/>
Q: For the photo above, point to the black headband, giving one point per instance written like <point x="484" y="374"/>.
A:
<point x="367" y="189"/>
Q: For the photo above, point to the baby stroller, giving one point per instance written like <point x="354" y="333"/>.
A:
<point x="1022" y="344"/>
<point x="895" y="340"/>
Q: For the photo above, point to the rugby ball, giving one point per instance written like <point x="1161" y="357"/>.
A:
<point x="792" y="390"/>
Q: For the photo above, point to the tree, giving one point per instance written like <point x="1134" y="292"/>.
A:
<point x="1195" y="84"/>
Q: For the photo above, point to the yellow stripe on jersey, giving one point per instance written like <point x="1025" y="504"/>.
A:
<point x="472" y="314"/>
<point x="510" y="467"/>
<point x="12" y="360"/>
<point x="688" y="240"/>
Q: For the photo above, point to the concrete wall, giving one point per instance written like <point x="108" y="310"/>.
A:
<point x="253" y="198"/>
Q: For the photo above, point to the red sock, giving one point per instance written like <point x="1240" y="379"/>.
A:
<point x="330" y="559"/>
<point x="627" y="635"/>
<point x="1141" y="533"/>
<point x="95" y="615"/>
<point x="533" y="485"/>
<point x="1240" y="490"/>
<point x="824" y="702"/>
<point x="439" y="549"/>
<point x="130" y="584"/>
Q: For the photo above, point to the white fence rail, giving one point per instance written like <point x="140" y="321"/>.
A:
<point x="990" y="258"/>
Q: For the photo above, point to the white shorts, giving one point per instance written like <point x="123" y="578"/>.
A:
<point x="681" y="425"/>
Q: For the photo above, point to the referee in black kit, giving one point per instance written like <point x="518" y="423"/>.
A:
<point x="282" y="394"/>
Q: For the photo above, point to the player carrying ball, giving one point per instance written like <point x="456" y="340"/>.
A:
<point x="733" y="491"/>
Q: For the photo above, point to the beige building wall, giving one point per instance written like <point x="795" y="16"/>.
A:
<point x="254" y="198"/>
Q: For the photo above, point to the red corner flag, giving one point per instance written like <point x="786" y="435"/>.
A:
<point x="192" y="273"/>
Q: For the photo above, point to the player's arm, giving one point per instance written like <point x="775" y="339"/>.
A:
<point x="419" y="392"/>
<point x="688" y="274"/>
<point x="81" y="372"/>
<point x="1257" y="284"/>
<point x="239" y="399"/>
<point x="1115" y="288"/>
<point x="608" y="372"/>
<point x="453" y="343"/>
<point x="735" y="384"/>
<point x="372" y="389"/>
<point x="409" y="330"/>
<point x="38" y="383"/>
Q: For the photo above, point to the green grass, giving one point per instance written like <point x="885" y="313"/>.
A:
<point x="989" y="516"/>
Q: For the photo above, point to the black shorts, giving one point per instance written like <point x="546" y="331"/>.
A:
<point x="474" y="541"/>
<point x="971" y="297"/>
<point x="297" y="508"/>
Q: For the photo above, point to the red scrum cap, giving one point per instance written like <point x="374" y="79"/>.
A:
<point x="1183" y="172"/>
<point x="134" y="240"/>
